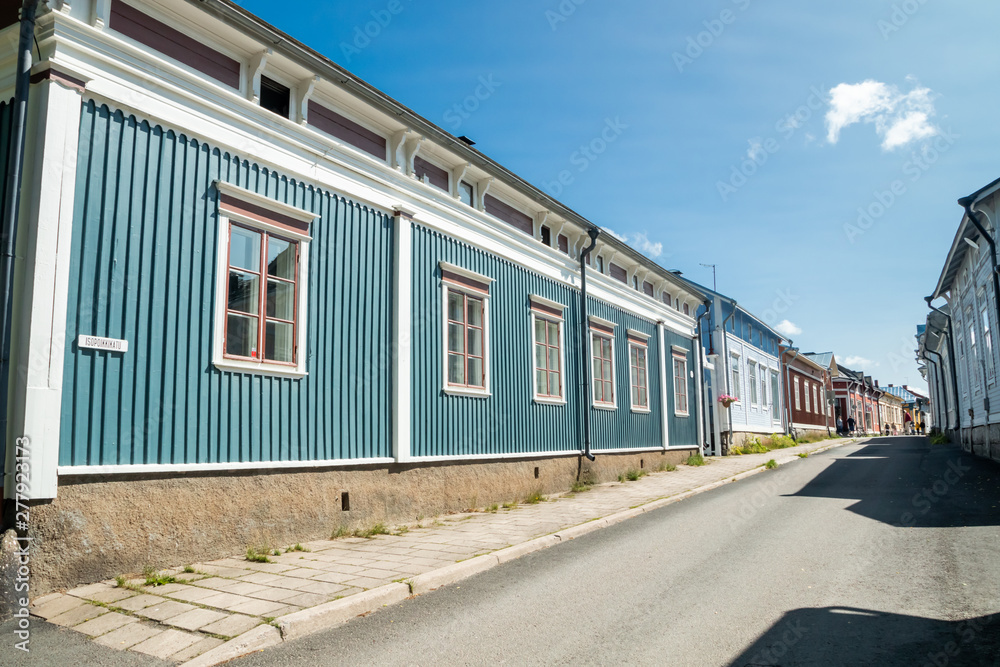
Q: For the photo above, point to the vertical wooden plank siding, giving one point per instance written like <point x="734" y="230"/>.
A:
<point x="510" y="422"/>
<point x="143" y="269"/>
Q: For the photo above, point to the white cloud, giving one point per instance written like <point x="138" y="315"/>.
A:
<point x="899" y="118"/>
<point x="859" y="362"/>
<point x="638" y="240"/>
<point x="788" y="328"/>
<point x="642" y="243"/>
<point x="756" y="150"/>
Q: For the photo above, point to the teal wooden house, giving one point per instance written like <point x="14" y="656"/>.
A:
<point x="241" y="270"/>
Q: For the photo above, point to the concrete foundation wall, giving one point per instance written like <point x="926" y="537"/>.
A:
<point x="981" y="440"/>
<point x="96" y="530"/>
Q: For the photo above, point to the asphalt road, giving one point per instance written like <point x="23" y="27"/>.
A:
<point x="879" y="554"/>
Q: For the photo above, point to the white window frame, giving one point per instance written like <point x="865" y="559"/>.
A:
<point x="225" y="219"/>
<point x="735" y="381"/>
<point x="775" y="396"/>
<point x="446" y="286"/>
<point x="604" y="405"/>
<point x="645" y="348"/>
<point x="795" y="388"/>
<point x="752" y="383"/>
<point x="987" y="335"/>
<point x="545" y="317"/>
<point x="681" y="357"/>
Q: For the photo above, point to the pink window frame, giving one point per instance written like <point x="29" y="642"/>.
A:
<point x="466" y="297"/>
<point x="261" y="315"/>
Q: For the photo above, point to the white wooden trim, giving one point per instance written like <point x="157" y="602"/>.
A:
<point x="638" y="334"/>
<point x="664" y="390"/>
<point x="679" y="350"/>
<point x="151" y="468"/>
<point x="42" y="284"/>
<point x="456" y="390"/>
<point x="402" y="379"/>
<point x="465" y="272"/>
<point x="265" y="202"/>
<point x="645" y="349"/>
<point x="612" y="405"/>
<point x="219" y="359"/>
<point x="548" y="400"/>
<point x="542" y="301"/>
<point x="594" y="319"/>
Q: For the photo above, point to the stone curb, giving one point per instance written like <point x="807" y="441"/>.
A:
<point x="338" y="612"/>
<point x="250" y="641"/>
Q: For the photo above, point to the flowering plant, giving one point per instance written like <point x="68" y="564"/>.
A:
<point x="728" y="400"/>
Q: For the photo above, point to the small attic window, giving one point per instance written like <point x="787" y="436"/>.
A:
<point x="275" y="97"/>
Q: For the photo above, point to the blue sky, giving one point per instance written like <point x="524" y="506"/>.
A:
<point x="698" y="90"/>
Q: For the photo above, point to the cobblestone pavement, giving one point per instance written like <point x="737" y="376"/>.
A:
<point x="229" y="600"/>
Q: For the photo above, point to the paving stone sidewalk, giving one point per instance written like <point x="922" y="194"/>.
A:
<point x="218" y="610"/>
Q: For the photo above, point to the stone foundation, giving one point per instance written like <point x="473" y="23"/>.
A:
<point x="99" y="528"/>
<point x="981" y="440"/>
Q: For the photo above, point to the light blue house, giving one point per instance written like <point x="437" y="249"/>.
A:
<point x="744" y="363"/>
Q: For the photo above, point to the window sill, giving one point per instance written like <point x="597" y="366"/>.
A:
<point x="464" y="391"/>
<point x="547" y="400"/>
<point x="255" y="368"/>
<point x="682" y="414"/>
<point x="604" y="406"/>
<point x="644" y="411"/>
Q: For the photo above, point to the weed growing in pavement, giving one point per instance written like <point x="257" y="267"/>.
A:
<point x="155" y="578"/>
<point x="258" y="554"/>
<point x="803" y="455"/>
<point x="696" y="459"/>
<point x="511" y="505"/>
<point x="579" y="486"/>
<point x="535" y="497"/>
<point x="341" y="531"/>
<point x="634" y="475"/>
<point x="189" y="569"/>
<point x="277" y="552"/>
<point x="121" y="582"/>
<point x="492" y="509"/>
<point x="401" y="530"/>
<point x="666" y="467"/>
<point x="297" y="547"/>
<point x="771" y="464"/>
<point x="939" y="438"/>
<point x="378" y="529"/>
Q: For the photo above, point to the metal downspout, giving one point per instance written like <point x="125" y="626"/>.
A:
<point x="585" y="347"/>
<point x="943" y="403"/>
<point x="12" y="203"/>
<point x="725" y="369"/>
<point x="789" y="430"/>
<point x="701" y="375"/>
<point x="954" y="369"/>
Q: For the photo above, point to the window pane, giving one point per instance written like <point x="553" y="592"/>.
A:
<point x="241" y="336"/>
<point x="606" y="348"/>
<point x="244" y="249"/>
<point x="609" y="392"/>
<point x="598" y="391"/>
<point x="456" y="336"/>
<point x="475" y="372"/>
<point x="475" y="313"/>
<point x="278" y="343"/>
<point x="635" y="396"/>
<point x="456" y="369"/>
<point x="455" y="305"/>
<point x="465" y="192"/>
<point x="597" y="369"/>
<point x="642" y="377"/>
<point x="553" y="359"/>
<point x="633" y="354"/>
<point x="280" y="300"/>
<point x="607" y="370"/>
<point x="476" y="342"/>
<point x="280" y="258"/>
<point x="244" y="294"/>
<point x="539" y="356"/>
<point x="553" y="334"/>
<point x="539" y="330"/>
<point x="541" y="383"/>
<point x="643" y="398"/>
<point x="554" y="389"/>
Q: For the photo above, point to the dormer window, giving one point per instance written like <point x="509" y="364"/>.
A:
<point x="466" y="193"/>
<point x="275" y="97"/>
<point x="546" y="235"/>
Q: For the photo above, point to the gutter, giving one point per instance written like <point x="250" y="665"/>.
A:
<point x="788" y="389"/>
<point x="951" y="356"/>
<point x="726" y="374"/>
<point x="701" y="372"/>
<point x="11" y="209"/>
<point x="943" y="403"/>
<point x="585" y="346"/>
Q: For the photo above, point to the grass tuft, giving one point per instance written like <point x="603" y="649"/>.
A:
<point x="535" y="497"/>
<point x="341" y="531"/>
<point x="696" y="459"/>
<point x="492" y="509"/>
<point x="803" y="455"/>
<point x="939" y="438"/>
<point x="771" y="464"/>
<point x="579" y="486"/>
<point x="155" y="578"/>
<point x="378" y="529"/>
<point x="258" y="555"/>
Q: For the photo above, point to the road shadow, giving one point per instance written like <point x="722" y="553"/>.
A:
<point x="907" y="482"/>
<point x="850" y="636"/>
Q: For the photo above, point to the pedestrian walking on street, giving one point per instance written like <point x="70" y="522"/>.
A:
<point x="850" y="425"/>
